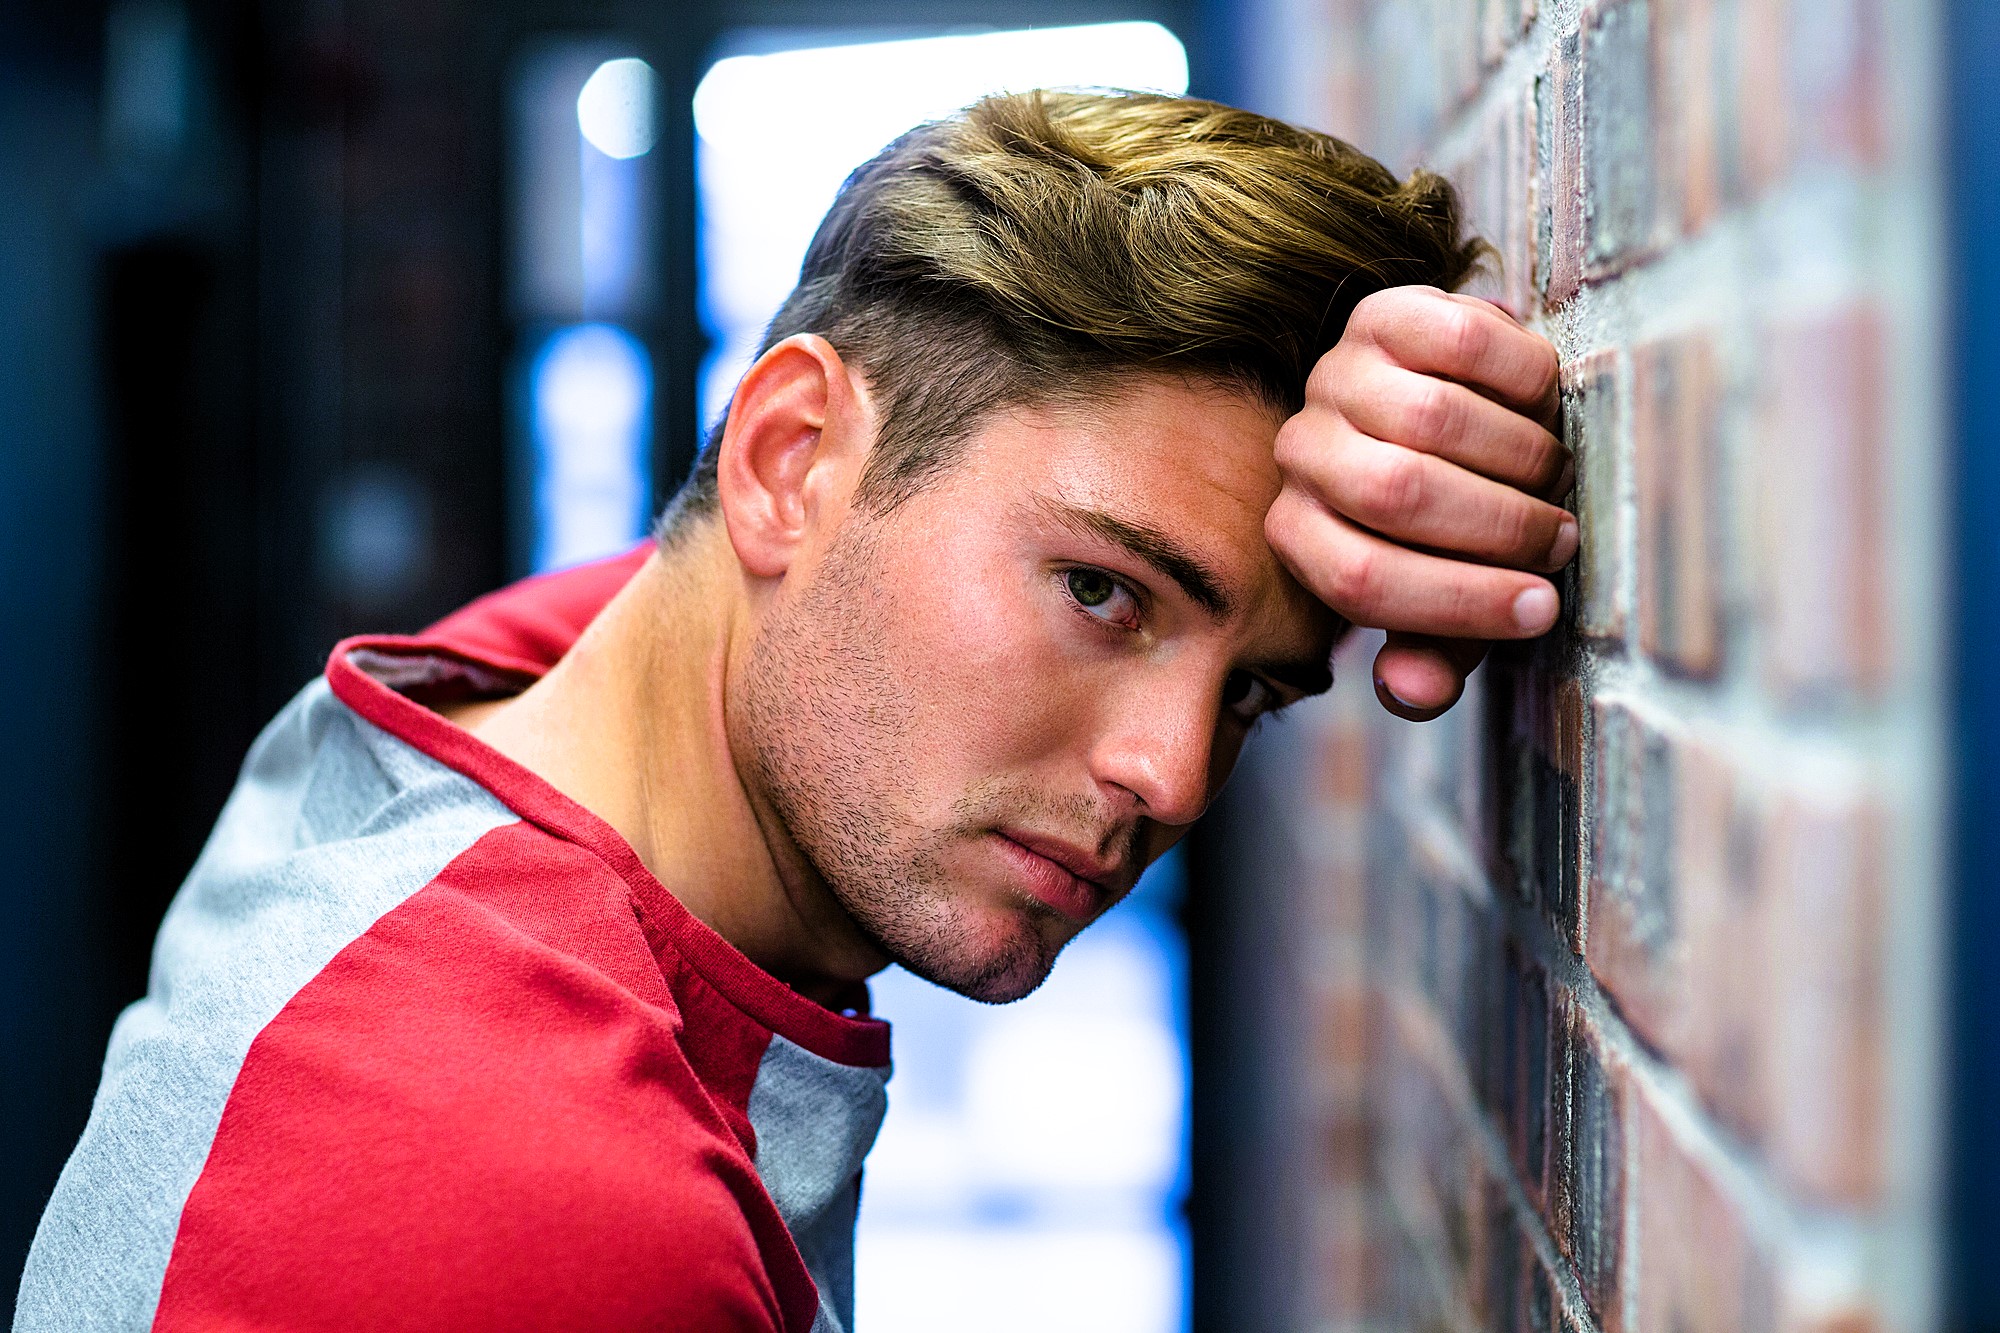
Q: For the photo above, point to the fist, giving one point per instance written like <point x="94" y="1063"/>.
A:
<point x="1421" y="487"/>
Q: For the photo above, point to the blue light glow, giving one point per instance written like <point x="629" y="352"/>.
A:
<point x="591" y="387"/>
<point x="615" y="109"/>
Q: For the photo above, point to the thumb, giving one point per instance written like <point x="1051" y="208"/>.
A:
<point x="1418" y="677"/>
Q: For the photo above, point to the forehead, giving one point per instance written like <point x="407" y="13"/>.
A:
<point x="1189" y="458"/>
<point x="1160" y="440"/>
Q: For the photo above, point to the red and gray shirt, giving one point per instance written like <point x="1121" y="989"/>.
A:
<point x="426" y="1047"/>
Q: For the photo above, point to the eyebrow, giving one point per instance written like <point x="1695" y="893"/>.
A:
<point x="1156" y="548"/>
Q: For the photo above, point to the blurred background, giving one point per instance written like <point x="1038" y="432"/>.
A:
<point x="322" y="316"/>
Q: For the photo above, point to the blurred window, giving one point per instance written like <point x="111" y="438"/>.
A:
<point x="1033" y="1165"/>
<point x="583" y="292"/>
<point x="778" y="130"/>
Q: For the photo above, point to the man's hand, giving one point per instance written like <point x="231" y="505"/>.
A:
<point x="1419" y="488"/>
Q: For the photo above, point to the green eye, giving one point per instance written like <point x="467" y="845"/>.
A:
<point x="1090" y="587"/>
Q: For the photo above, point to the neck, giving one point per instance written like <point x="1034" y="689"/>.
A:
<point x="631" y="724"/>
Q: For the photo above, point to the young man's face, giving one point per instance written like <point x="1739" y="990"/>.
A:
<point x="982" y="714"/>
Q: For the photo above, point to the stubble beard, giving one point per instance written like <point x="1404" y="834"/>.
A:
<point x="826" y="721"/>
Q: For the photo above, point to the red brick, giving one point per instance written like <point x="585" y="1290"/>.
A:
<point x="1676" y="419"/>
<point x="1849" y="1319"/>
<point x="1430" y="1163"/>
<point x="1507" y="1288"/>
<point x="1496" y="187"/>
<point x="1811" y="86"/>
<point x="1635" y="949"/>
<point x="1692" y="102"/>
<point x="1587" y="1194"/>
<point x="1513" y="1075"/>
<point x="1593" y="419"/>
<point x="1532" y="1053"/>
<point x="1823" y="869"/>
<point x="1697" y="1264"/>
<point x="1503" y="1255"/>
<point x="1559" y="826"/>
<point x="1501" y="23"/>
<point x="1619" y="173"/>
<point x="1349" y="1256"/>
<point x="1822" y="481"/>
<point x="1738" y="935"/>
<point x="1534" y="751"/>
<point x="1341" y="1023"/>
<point x="1347" y="1147"/>
<point x="1726" y="1004"/>
<point x="1346" y="765"/>
<point x="1559" y="118"/>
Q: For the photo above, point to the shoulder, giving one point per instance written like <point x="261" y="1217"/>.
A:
<point x="332" y="826"/>
<point x="480" y="1114"/>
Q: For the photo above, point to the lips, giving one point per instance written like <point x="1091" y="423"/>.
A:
<point x="1058" y="876"/>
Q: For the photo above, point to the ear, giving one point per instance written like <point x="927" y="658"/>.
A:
<point x="798" y="433"/>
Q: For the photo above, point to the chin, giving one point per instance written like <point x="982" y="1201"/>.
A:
<point x="996" y="956"/>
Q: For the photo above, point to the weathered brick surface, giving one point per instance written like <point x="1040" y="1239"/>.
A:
<point x="1822" y="466"/>
<point x="1618" y="1030"/>
<point x="1676" y="438"/>
<point x="1622" y="199"/>
<point x="1823" y="864"/>
<point x="1587" y="1203"/>
<point x="1593" y="427"/>
<point x="1699" y="1262"/>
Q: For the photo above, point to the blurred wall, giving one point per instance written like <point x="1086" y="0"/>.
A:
<point x="1612" y="1001"/>
<point x="51" y="467"/>
<point x="247" y="263"/>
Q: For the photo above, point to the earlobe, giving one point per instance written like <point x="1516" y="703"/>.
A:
<point x="788" y="451"/>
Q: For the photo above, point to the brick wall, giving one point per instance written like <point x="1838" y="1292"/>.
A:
<point x="1619" y="981"/>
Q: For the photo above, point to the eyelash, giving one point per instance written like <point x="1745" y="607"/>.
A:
<point x="1252" y="719"/>
<point x="1118" y="585"/>
<point x="1064" y="576"/>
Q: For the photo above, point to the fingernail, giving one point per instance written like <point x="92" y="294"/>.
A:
<point x="1392" y="700"/>
<point x="1387" y="695"/>
<point x="1535" y="609"/>
<point x="1564" y="546"/>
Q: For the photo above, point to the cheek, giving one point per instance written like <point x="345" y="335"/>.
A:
<point x="979" y="647"/>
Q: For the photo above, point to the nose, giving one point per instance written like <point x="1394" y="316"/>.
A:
<point x="1158" y="750"/>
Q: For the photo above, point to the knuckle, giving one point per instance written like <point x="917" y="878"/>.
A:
<point x="1325" y="378"/>
<point x="1463" y="336"/>
<point x="1393" y="490"/>
<point x="1375" y="314"/>
<point x="1306" y="447"/>
<point x="1282" y="521"/>
<point x="1433" y="412"/>
<point x="1289" y="450"/>
<point x="1353" y="581"/>
<point x="1371" y="309"/>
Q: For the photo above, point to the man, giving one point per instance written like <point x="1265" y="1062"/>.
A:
<point x="522" y="982"/>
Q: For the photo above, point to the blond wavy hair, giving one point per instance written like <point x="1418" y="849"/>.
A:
<point x="1038" y="245"/>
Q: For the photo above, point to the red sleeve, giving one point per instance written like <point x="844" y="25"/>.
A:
<point x="460" y="1124"/>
